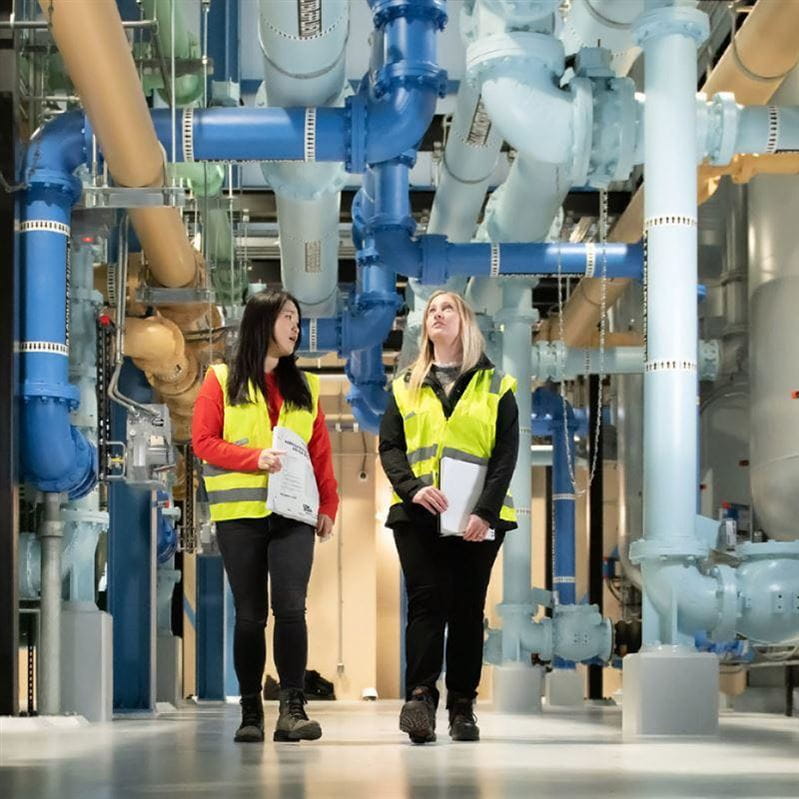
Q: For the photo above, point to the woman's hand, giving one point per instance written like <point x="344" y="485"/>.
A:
<point x="431" y="499"/>
<point x="324" y="527"/>
<point x="476" y="529"/>
<point x="269" y="460"/>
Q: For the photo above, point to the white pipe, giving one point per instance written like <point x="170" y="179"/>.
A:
<point x="531" y="112"/>
<point x="607" y="22"/>
<point x="523" y="208"/>
<point x="470" y="157"/>
<point x="517" y="316"/>
<point x="49" y="655"/>
<point x="303" y="44"/>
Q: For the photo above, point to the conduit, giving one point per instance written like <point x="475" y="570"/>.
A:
<point x="741" y="71"/>
<point x="88" y="34"/>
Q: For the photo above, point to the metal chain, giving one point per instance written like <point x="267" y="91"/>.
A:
<point x="603" y="238"/>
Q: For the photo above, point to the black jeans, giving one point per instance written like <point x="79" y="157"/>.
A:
<point x="281" y="549"/>
<point x="446" y="579"/>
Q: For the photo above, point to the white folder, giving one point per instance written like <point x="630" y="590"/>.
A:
<point x="461" y="483"/>
<point x="292" y="492"/>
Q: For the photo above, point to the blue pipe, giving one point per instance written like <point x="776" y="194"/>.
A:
<point x="368" y="396"/>
<point x="223" y="40"/>
<point x="56" y="456"/>
<point x="404" y="79"/>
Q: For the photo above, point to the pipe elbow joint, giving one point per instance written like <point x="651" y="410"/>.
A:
<point x="702" y="602"/>
<point x="397" y="118"/>
<point x="58" y="148"/>
<point x="56" y="457"/>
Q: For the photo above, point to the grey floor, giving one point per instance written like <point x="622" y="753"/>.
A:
<point x="579" y="754"/>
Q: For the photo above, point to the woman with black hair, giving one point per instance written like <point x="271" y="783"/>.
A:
<point x="234" y="416"/>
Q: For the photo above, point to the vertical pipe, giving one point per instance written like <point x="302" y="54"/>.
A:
<point x="669" y="36"/>
<point x="51" y="536"/>
<point x="563" y="503"/>
<point x="9" y="320"/>
<point x="596" y="511"/>
<point x="517" y="317"/>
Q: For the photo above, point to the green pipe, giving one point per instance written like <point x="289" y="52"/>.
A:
<point x="188" y="88"/>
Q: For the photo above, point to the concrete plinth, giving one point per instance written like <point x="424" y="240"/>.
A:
<point x="564" y="688"/>
<point x="670" y="690"/>
<point x="87" y="661"/>
<point x="169" y="669"/>
<point x="517" y="688"/>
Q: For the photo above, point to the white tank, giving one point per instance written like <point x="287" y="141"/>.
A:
<point x="773" y="344"/>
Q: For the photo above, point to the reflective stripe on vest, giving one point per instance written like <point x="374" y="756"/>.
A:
<point x="468" y="435"/>
<point x="242" y="495"/>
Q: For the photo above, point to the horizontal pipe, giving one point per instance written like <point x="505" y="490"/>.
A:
<point x="767" y="129"/>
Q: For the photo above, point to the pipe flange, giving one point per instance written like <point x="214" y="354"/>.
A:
<point x="768" y="549"/>
<point x="77" y="516"/>
<point x="522" y="12"/>
<point x="677" y="548"/>
<point x="54" y="180"/>
<point x="384" y="11"/>
<point x="671" y="20"/>
<point x="488" y="54"/>
<point x="411" y="75"/>
<point x="727" y="593"/>
<point x="57" y="392"/>
<point x="723" y="117"/>
<point x="583" y="116"/>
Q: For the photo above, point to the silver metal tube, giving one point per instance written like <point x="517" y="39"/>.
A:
<point x="41" y="24"/>
<point x="49" y="673"/>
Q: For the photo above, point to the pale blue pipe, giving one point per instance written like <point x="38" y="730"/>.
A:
<point x="670" y="379"/>
<point x="525" y="205"/>
<point x="517" y="316"/>
<point x="473" y="146"/>
<point x="304" y="66"/>
<point x="767" y="129"/>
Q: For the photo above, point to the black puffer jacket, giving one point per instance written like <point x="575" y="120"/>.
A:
<point x="393" y="455"/>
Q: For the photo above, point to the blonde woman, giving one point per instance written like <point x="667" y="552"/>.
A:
<point x="452" y="402"/>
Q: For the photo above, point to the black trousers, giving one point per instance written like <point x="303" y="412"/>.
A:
<point x="282" y="550"/>
<point x="446" y="579"/>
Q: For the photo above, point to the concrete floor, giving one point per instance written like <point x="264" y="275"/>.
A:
<point x="580" y="754"/>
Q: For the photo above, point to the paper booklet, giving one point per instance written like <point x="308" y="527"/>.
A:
<point x="292" y="492"/>
<point x="461" y="483"/>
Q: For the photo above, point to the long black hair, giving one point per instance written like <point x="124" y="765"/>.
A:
<point x="255" y="334"/>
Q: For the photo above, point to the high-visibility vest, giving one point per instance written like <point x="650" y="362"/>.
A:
<point x="468" y="435"/>
<point x="242" y="495"/>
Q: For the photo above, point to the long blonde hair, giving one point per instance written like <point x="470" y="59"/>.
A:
<point x="472" y="341"/>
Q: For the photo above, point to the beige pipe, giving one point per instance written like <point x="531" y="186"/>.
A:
<point x="158" y="348"/>
<point x="96" y="53"/>
<point x="767" y="44"/>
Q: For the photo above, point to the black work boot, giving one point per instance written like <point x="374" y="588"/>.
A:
<point x="418" y="716"/>
<point x="462" y="721"/>
<point x="293" y="723"/>
<point x="251" y="729"/>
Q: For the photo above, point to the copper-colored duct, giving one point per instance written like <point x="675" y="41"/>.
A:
<point x="157" y="347"/>
<point x="767" y="44"/>
<point x="97" y="55"/>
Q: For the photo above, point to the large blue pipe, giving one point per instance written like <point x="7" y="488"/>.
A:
<point x="563" y="426"/>
<point x="56" y="456"/>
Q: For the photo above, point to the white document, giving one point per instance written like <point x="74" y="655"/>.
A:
<point x="292" y="492"/>
<point x="461" y="483"/>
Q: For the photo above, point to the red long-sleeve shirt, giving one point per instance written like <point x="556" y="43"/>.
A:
<point x="206" y="435"/>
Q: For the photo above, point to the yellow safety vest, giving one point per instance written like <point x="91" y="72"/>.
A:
<point x="469" y="434"/>
<point x="242" y="495"/>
